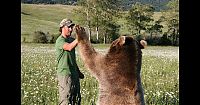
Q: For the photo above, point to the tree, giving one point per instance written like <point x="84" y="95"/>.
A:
<point x="98" y="13"/>
<point x="171" y="17"/>
<point x="111" y="31"/>
<point x="155" y="27"/>
<point x="139" y="16"/>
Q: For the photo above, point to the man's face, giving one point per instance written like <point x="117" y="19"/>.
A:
<point x="67" y="30"/>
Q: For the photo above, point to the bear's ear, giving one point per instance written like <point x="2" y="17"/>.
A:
<point x="125" y="40"/>
<point x="122" y="40"/>
<point x="115" y="42"/>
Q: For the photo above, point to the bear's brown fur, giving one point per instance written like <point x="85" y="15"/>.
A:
<point x="115" y="71"/>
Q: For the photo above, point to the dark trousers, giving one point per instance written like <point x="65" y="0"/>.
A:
<point x="139" y="83"/>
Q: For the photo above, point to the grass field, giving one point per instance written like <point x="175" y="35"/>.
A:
<point x="160" y="75"/>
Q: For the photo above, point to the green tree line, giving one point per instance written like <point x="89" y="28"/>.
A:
<point x="100" y="18"/>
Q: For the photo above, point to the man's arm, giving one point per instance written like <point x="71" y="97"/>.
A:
<point x="70" y="46"/>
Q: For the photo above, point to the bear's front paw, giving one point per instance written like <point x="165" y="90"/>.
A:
<point x="80" y="33"/>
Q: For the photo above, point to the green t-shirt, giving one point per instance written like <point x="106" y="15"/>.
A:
<point x="66" y="59"/>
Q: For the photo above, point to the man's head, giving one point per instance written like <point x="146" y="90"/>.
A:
<point x="66" y="27"/>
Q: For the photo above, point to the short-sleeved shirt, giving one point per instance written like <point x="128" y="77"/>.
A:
<point x="66" y="59"/>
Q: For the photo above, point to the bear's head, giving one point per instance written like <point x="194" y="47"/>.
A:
<point x="124" y="45"/>
<point x="123" y="53"/>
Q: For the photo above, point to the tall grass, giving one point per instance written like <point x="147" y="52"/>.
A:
<point x="39" y="84"/>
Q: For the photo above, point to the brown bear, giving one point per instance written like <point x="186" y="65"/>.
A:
<point x="115" y="71"/>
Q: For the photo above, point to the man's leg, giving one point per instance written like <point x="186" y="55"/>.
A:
<point x="64" y="84"/>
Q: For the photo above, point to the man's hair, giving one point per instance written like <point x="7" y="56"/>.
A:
<point x="60" y="29"/>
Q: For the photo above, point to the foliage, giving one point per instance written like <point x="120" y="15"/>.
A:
<point x="95" y="41"/>
<point x="112" y="31"/>
<point x="39" y="37"/>
<point x="173" y="5"/>
<point x="171" y="16"/>
<point x="164" y="40"/>
<point x="153" y="40"/>
<point x="47" y="17"/>
<point x="155" y="27"/>
<point x="139" y="16"/>
<point x="54" y="37"/>
<point x="99" y="14"/>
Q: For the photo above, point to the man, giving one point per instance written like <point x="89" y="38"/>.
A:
<point x="67" y="70"/>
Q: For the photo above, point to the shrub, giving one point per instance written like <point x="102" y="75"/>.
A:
<point x="112" y="31"/>
<point x="95" y="41"/>
<point x="164" y="40"/>
<point x="153" y="40"/>
<point x="39" y="37"/>
<point x="53" y="38"/>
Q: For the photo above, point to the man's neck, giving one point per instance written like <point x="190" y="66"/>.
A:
<point x="65" y="36"/>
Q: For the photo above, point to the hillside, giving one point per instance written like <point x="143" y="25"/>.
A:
<point x="43" y="17"/>
<point x="46" y="18"/>
<point x="125" y="4"/>
<point x="158" y="4"/>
